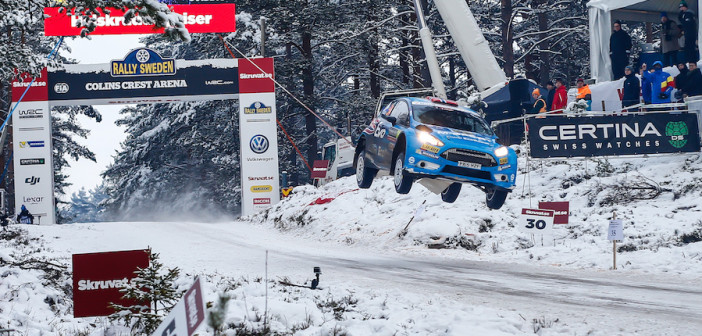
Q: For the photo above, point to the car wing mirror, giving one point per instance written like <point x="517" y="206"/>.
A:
<point x="391" y="119"/>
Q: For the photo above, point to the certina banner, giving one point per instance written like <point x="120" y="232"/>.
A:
<point x="98" y="277"/>
<point x="144" y="74"/>
<point x="199" y="17"/>
<point x="652" y="133"/>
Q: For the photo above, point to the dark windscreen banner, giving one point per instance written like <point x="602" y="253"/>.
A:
<point x="76" y="85"/>
<point x="653" y="133"/>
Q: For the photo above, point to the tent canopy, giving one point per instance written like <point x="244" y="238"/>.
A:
<point x="604" y="12"/>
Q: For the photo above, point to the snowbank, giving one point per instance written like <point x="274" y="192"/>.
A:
<point x="657" y="197"/>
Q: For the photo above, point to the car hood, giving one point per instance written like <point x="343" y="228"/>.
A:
<point x="464" y="139"/>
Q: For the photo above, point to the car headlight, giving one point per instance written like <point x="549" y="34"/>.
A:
<point x="426" y="138"/>
<point x="502" y="151"/>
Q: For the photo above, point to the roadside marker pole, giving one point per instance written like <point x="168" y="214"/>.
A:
<point x="614" y="246"/>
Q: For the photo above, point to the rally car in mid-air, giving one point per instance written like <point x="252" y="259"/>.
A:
<point x="438" y="143"/>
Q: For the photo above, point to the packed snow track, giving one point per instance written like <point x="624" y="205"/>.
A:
<point x="623" y="303"/>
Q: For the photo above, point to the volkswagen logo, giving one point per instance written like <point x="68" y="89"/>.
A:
<point x="259" y="144"/>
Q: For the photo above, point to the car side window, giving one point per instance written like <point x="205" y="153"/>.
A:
<point x="401" y="112"/>
<point x="388" y="109"/>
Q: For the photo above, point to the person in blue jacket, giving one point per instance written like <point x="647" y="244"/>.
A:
<point x="662" y="83"/>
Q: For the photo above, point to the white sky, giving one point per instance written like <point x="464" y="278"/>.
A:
<point x="105" y="137"/>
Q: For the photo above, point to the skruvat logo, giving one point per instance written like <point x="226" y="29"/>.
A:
<point x="31" y="114"/>
<point x="26" y="84"/>
<point x="258" y="108"/>
<point x="255" y="76"/>
<point x="260" y="178"/>
<point x="86" y="285"/>
<point x="143" y="62"/>
<point x="261" y="188"/>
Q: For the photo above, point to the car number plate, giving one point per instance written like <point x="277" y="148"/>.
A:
<point x="469" y="165"/>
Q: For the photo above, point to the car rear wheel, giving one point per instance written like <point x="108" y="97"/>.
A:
<point x="450" y="194"/>
<point x="403" y="180"/>
<point x="495" y="198"/>
<point x="364" y="174"/>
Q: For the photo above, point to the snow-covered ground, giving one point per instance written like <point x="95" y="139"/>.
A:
<point x="489" y="279"/>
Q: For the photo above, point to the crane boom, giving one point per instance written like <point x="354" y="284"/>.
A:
<point x="429" y="52"/>
<point x="471" y="43"/>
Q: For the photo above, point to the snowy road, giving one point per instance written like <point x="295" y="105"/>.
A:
<point x="619" y="301"/>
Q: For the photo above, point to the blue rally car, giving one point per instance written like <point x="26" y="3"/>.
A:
<point x="438" y="143"/>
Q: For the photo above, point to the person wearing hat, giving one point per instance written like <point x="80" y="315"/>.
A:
<point x="24" y="216"/>
<point x="539" y="102"/>
<point x="550" y="95"/>
<point x="670" y="33"/>
<point x="619" y="50"/>
<point x="662" y="83"/>
<point x="689" y="28"/>
<point x="584" y="93"/>
<point x="631" y="92"/>
<point x="680" y="81"/>
<point x="560" y="99"/>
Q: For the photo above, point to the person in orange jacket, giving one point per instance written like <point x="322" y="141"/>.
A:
<point x="560" y="100"/>
<point x="584" y="93"/>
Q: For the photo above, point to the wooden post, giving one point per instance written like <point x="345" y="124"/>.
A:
<point x="614" y="246"/>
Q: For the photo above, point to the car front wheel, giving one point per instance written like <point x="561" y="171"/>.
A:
<point x="364" y="175"/>
<point x="495" y="198"/>
<point x="451" y="193"/>
<point x="403" y="180"/>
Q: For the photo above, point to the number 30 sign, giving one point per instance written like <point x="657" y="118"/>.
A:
<point x="536" y="221"/>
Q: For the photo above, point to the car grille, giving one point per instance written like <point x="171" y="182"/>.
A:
<point x="467" y="155"/>
<point x="467" y="172"/>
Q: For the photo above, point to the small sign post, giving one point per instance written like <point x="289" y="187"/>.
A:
<point x="615" y="232"/>
<point x="537" y="221"/>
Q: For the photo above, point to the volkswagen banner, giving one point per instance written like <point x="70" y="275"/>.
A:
<point x="259" y="138"/>
<point x="652" y="133"/>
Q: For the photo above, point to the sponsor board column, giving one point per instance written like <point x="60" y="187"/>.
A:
<point x="33" y="164"/>
<point x="259" y="142"/>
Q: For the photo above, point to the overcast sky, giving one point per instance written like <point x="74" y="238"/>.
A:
<point x="105" y="137"/>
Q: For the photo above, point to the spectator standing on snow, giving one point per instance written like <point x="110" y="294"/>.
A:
<point x="560" y="99"/>
<point x="689" y="28"/>
<point x="646" y="90"/>
<point x="693" y="82"/>
<point x="24" y="216"/>
<point x="670" y="33"/>
<point x="632" y="88"/>
<point x="539" y="103"/>
<point x="662" y="83"/>
<point x="584" y="93"/>
<point x="619" y="50"/>
<point x="550" y="95"/>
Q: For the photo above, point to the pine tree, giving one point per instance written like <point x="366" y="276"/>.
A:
<point x="156" y="293"/>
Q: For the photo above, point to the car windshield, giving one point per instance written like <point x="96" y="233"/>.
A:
<point x="452" y="118"/>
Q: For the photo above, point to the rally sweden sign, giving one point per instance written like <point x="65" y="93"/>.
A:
<point x="653" y="133"/>
<point x="143" y="62"/>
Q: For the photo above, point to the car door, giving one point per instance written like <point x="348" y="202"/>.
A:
<point x="390" y="132"/>
<point x="373" y="142"/>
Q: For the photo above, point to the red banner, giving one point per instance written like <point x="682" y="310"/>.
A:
<point x="98" y="277"/>
<point x="252" y="79"/>
<point x="212" y="18"/>
<point x="37" y="92"/>
<point x="561" y="211"/>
